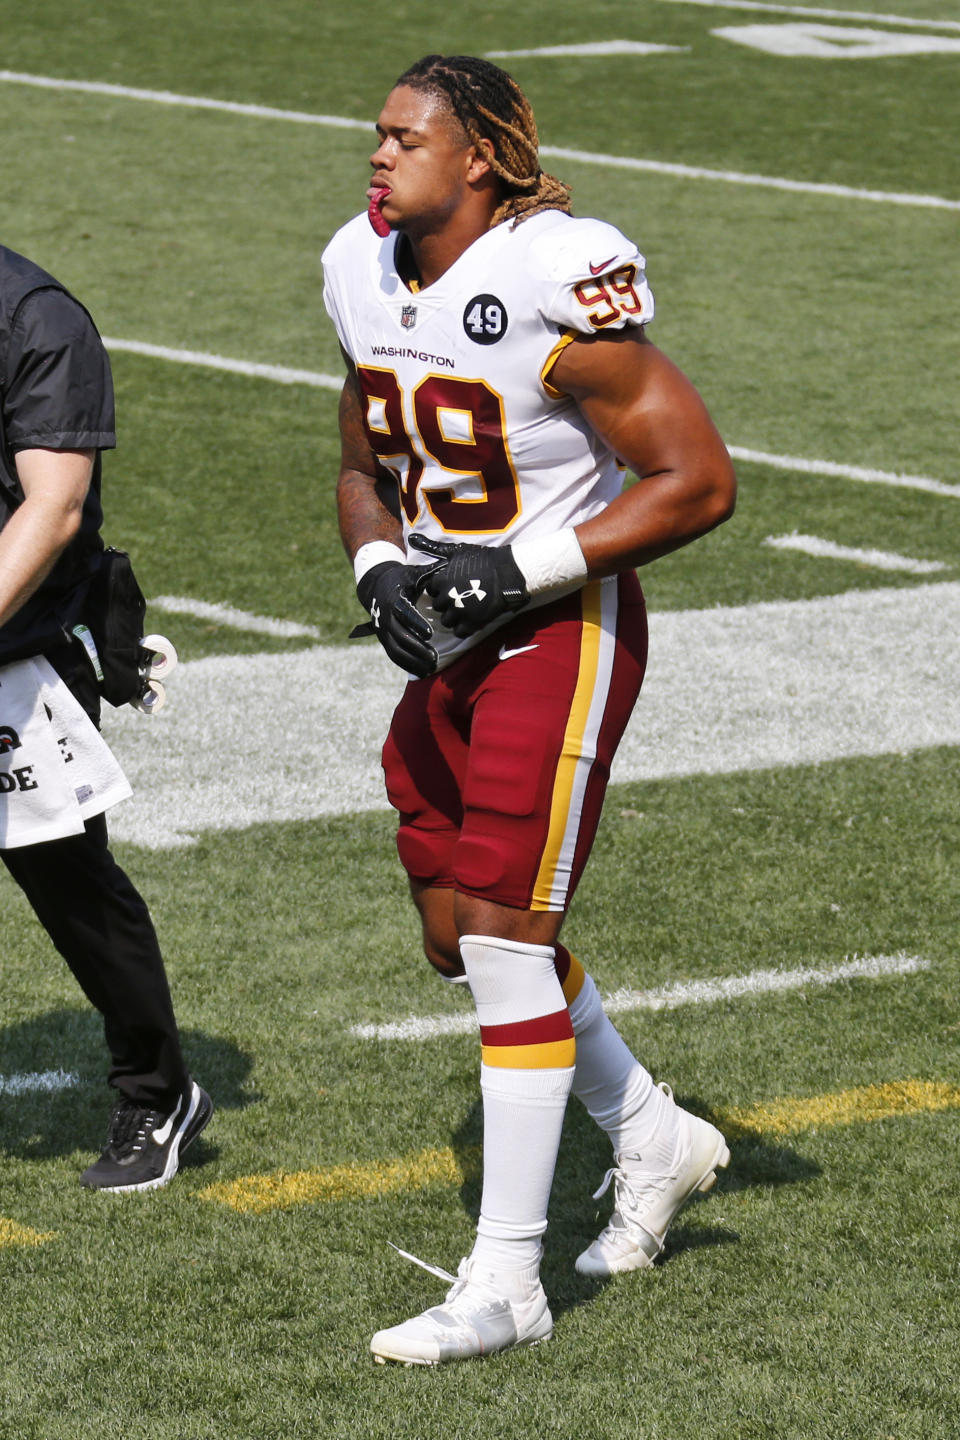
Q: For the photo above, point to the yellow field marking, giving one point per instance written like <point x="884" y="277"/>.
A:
<point x="846" y="1107"/>
<point x="13" y="1234"/>
<point x="283" y="1189"/>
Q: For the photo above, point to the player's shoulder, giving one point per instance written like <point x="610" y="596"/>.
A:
<point x="587" y="276"/>
<point x="353" y="239"/>
<point x="574" y="248"/>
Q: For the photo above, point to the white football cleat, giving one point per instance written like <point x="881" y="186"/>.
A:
<point x="476" y="1318"/>
<point x="646" y="1200"/>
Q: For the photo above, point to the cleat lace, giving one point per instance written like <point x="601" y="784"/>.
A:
<point x="130" y="1125"/>
<point x="458" y="1283"/>
<point x="437" y="1270"/>
<point x="629" y="1187"/>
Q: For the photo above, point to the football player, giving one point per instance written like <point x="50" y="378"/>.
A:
<point x="499" y="376"/>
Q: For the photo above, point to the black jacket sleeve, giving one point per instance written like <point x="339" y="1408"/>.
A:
<point x="58" y="393"/>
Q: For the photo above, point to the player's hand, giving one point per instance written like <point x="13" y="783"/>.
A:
<point x="388" y="591"/>
<point x="476" y="585"/>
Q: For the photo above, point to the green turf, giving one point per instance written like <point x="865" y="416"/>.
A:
<point x="781" y="1292"/>
<point x="813" y="1294"/>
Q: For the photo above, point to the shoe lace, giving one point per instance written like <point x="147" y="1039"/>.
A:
<point x="630" y="1187"/>
<point x="465" y="1291"/>
<point x="437" y="1270"/>
<point x="130" y="1124"/>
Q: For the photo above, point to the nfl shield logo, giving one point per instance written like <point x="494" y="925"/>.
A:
<point x="408" y="316"/>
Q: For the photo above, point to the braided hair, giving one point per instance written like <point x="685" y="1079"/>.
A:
<point x="490" y="106"/>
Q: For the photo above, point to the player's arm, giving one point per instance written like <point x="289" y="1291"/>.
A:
<point x="373" y="538"/>
<point x="641" y="405"/>
<point x="648" y="412"/>
<point x="55" y="485"/>
<point x="366" y="508"/>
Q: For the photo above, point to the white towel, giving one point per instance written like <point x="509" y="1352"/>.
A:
<point x="56" y="770"/>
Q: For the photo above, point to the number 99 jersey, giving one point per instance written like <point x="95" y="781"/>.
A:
<point x="458" y="404"/>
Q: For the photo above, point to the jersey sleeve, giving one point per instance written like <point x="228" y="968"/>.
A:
<point x="336" y="260"/>
<point x="331" y="306"/>
<point x="59" y="389"/>
<point x="592" y="278"/>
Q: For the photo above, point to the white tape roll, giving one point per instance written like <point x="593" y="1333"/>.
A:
<point x="164" y="660"/>
<point x="153" y="698"/>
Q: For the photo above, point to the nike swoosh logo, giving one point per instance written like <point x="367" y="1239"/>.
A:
<point x="521" y="650"/>
<point x="161" y="1136"/>
<point x="604" y="264"/>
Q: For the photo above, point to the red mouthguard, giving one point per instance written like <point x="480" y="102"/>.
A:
<point x="374" y="214"/>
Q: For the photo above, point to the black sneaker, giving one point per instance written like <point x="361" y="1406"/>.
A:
<point x="143" y="1146"/>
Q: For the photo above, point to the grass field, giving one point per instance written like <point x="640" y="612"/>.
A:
<point x="800" y="218"/>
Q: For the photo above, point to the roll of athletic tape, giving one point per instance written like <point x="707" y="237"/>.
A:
<point x="164" y="656"/>
<point x="153" y="698"/>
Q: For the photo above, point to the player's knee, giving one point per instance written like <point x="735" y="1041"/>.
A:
<point x="480" y="865"/>
<point x="425" y="854"/>
<point x="450" y="967"/>
<point x="491" y="867"/>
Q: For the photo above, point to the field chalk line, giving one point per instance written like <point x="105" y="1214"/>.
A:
<point x="44" y="1082"/>
<point x="811" y="12"/>
<point x="672" y="997"/>
<point x="553" y="152"/>
<point x="319" y="380"/>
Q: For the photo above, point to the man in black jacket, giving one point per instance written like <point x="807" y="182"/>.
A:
<point x="57" y="775"/>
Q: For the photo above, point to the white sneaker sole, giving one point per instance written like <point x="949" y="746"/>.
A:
<point x="384" y="1355"/>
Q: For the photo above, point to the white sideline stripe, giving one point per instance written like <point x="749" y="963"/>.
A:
<point x="846" y="472"/>
<point x="829" y="550"/>
<point x="169" y="97"/>
<point x="236" y="619"/>
<point x="779" y="683"/>
<point x="810" y="10"/>
<point x="596" y="47"/>
<point x="737" y="177"/>
<point x="672" y="997"/>
<point x="280" y="373"/>
<point x="321" y="381"/>
<point x="623" y="162"/>
<point x="41" y="1080"/>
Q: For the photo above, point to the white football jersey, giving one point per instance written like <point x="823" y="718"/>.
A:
<point x="455" y="377"/>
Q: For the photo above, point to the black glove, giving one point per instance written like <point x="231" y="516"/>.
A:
<point x="478" y="583"/>
<point x="388" y="591"/>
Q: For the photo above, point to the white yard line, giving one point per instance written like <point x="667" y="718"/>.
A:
<point x="42" y="1081"/>
<point x="739" y="689"/>
<point x="829" y="550"/>
<point x="830" y="468"/>
<point x="672" y="997"/>
<point x="235" y="619"/>
<point x="318" y="380"/>
<point x="738" y="177"/>
<point x="819" y="14"/>
<point x="590" y="48"/>
<point x="586" y="157"/>
<point x="281" y="374"/>
<point x="169" y="97"/>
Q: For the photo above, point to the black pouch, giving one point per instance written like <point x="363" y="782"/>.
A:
<point x="114" y="612"/>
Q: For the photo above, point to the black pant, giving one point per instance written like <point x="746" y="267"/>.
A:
<point x="102" y="928"/>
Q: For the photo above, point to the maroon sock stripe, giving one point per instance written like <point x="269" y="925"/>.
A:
<point x="541" y="1030"/>
<point x="561" y="962"/>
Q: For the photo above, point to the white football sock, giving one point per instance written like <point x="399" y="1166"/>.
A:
<point x="616" y="1089"/>
<point x="516" y="986"/>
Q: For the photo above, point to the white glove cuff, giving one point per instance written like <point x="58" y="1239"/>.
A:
<point x="376" y="552"/>
<point x="551" y="562"/>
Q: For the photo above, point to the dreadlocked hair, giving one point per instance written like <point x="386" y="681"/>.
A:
<point x="490" y="106"/>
